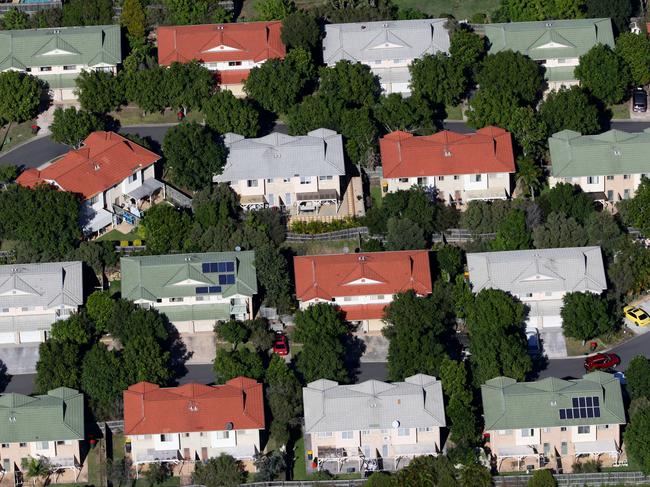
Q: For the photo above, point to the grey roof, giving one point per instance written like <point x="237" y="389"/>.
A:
<point x="391" y="39"/>
<point x="609" y="153"/>
<point x="319" y="153"/>
<point x="540" y="270"/>
<point x="415" y="403"/>
<point x="48" y="285"/>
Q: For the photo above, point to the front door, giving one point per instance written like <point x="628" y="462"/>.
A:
<point x="186" y="454"/>
<point x="204" y="453"/>
<point x="287" y="199"/>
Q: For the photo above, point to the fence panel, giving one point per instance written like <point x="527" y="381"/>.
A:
<point x="579" y="479"/>
<point x="175" y="196"/>
<point x="345" y="234"/>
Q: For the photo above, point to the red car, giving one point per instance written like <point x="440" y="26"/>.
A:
<point x="281" y="344"/>
<point x="602" y="361"/>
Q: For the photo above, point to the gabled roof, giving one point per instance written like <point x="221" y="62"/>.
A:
<point x="336" y="275"/>
<point x="508" y="404"/>
<point x="489" y="150"/>
<point x="541" y="270"/>
<point x="388" y="39"/>
<point x="57" y="415"/>
<point x="319" y="153"/>
<point x="248" y="41"/>
<point x="104" y="160"/>
<point x="151" y="409"/>
<point x="612" y="152"/>
<point x="178" y="275"/>
<point x="61" y="46"/>
<point x="550" y="39"/>
<point x="43" y="284"/>
<point x="415" y="403"/>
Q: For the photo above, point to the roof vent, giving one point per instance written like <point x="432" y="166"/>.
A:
<point x="56" y="31"/>
<point x="229" y="426"/>
<point x="386" y="25"/>
<point x="395" y="424"/>
<point x="193" y="407"/>
<point x="97" y="167"/>
<point x="363" y="27"/>
<point x="447" y="153"/>
<point x="549" y="24"/>
<point x="617" y="151"/>
<point x="12" y="419"/>
<point x="363" y="258"/>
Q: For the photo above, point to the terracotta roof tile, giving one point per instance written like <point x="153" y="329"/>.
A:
<point x="150" y="409"/>
<point x="489" y="150"/>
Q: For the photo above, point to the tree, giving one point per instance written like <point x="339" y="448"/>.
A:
<point x="416" y="328"/>
<point x="99" y="91"/>
<point x="99" y="307"/>
<point x="87" y="12"/>
<point x="96" y="255"/>
<point x="229" y="364"/>
<point x="570" y="109"/>
<point x="635" y="212"/>
<point x="37" y="468"/>
<point x="269" y="465"/>
<point x="427" y="471"/>
<point x="315" y="111"/>
<point x="221" y="471"/>
<point x="300" y="30"/>
<point x="459" y="402"/>
<point x="143" y="87"/>
<point x="133" y="19"/>
<point x="438" y="78"/>
<point x="284" y="398"/>
<point x="568" y="200"/>
<point x="71" y="126"/>
<point x="635" y="51"/>
<point x="584" y="316"/>
<point x="511" y="73"/>
<point x="146" y="360"/>
<point x="225" y="113"/>
<point x="194" y="154"/>
<point x="273" y="276"/>
<point x="619" y="11"/>
<point x="528" y="130"/>
<point x="542" y="478"/>
<point x="637" y="377"/>
<point x="512" y="233"/>
<point x="603" y="74"/>
<point x="232" y="331"/>
<point x="156" y="473"/>
<point x="188" y="85"/>
<point x="261" y="337"/>
<point x="475" y="475"/>
<point x="637" y="439"/>
<point x="467" y="49"/>
<point x="412" y="114"/>
<point x="529" y="175"/>
<point x="353" y="84"/>
<point x="497" y="341"/>
<point x="322" y="331"/>
<point x="450" y="261"/>
<point x="360" y="133"/>
<point x="15" y="19"/>
<point x="525" y="10"/>
<point x="103" y="380"/>
<point x="129" y="321"/>
<point x="274" y="9"/>
<point x="630" y="270"/>
<point x="119" y="472"/>
<point x="603" y="229"/>
<point x="165" y="229"/>
<point x="559" y="231"/>
<point x="189" y="12"/>
<point x="491" y="106"/>
<point x="404" y="234"/>
<point x="58" y="366"/>
<point x="20" y="96"/>
<point x="76" y="329"/>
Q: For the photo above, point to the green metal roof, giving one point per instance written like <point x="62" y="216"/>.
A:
<point x="612" y="152"/>
<point x="212" y="311"/>
<point x="60" y="80"/>
<point x="550" y="39"/>
<point x="89" y="45"/>
<point x="58" y="415"/>
<point x="508" y="404"/>
<point x="178" y="275"/>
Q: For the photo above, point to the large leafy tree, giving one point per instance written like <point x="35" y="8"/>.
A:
<point x="229" y="364"/>
<point x="87" y="12"/>
<point x="512" y="73"/>
<point x="221" y="471"/>
<point x="524" y="10"/>
<point x="637" y="438"/>
<point x="273" y="275"/>
<point x="619" y="11"/>
<point x="71" y="126"/>
<point x="585" y="316"/>
<point x="353" y="84"/>
<point x="226" y="113"/>
<point x="146" y="360"/>
<point x="315" y="111"/>
<point x="274" y="9"/>
<point x="559" y="231"/>
<point x="134" y="21"/>
<point x="58" y="365"/>
<point x="635" y="51"/>
<point x="194" y="154"/>
<point x="404" y="234"/>
<point x="102" y="380"/>
<point x="491" y="106"/>
<point x="637" y="377"/>
<point x="165" y="229"/>
<point x="438" y="78"/>
<point x="284" y="397"/>
<point x="459" y="408"/>
<point x="467" y="49"/>
<point x="568" y="200"/>
<point x="188" y="85"/>
<point x="188" y="12"/>
<point x="300" y="30"/>
<point x="604" y="74"/>
<point x="512" y="233"/>
<point x="412" y="114"/>
<point x="99" y="307"/>
<point x="20" y="96"/>
<point x="570" y="109"/>
<point x="145" y="88"/>
<point x="99" y="91"/>
<point x="529" y="175"/>
<point x="636" y="211"/>
<point x="15" y="19"/>
<point x="76" y="329"/>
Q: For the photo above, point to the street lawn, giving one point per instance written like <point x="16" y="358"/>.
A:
<point x="18" y="133"/>
<point x="620" y="112"/>
<point x="576" y="348"/>
<point x="316" y="247"/>
<point x="299" y="467"/>
<point x="454" y="112"/>
<point x="132" y="115"/>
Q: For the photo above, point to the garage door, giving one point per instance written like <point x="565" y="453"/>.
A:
<point x="30" y="336"/>
<point x="7" y="338"/>
<point x="551" y="321"/>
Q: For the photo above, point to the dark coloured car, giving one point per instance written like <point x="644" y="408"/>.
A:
<point x="639" y="100"/>
<point x="602" y="361"/>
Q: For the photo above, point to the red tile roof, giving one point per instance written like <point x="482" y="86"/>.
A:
<point x="248" y="41"/>
<point x="329" y="276"/>
<point x="104" y="160"/>
<point x="150" y="409"/>
<point x="489" y="150"/>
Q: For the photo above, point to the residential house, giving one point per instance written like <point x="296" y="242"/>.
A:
<point x="114" y="176"/>
<point x="57" y="55"/>
<point x="372" y="425"/>
<point x="461" y="167"/>
<point x="194" y="422"/>
<point x="194" y="291"/>
<point x="32" y="298"/>
<point x="387" y="46"/>
<point x="553" y="423"/>
<point x="609" y="165"/>
<point x="230" y="50"/>
<point x="363" y="284"/>
<point x="301" y="175"/>
<point x="539" y="278"/>
<point x="555" y="44"/>
<point x="49" y="426"/>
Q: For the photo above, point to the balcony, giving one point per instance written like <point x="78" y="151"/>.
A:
<point x="157" y="456"/>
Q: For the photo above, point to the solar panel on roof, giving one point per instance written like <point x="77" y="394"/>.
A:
<point x="205" y="268"/>
<point x="230" y="267"/>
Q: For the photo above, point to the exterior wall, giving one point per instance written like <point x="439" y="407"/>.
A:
<point x="561" y="62"/>
<point x="13" y="453"/>
<point x="616" y="187"/>
<point x="37" y="333"/>
<point x="275" y="190"/>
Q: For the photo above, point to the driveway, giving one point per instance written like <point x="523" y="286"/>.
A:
<point x="553" y="342"/>
<point x="19" y="359"/>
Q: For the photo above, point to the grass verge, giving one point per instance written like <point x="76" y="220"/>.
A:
<point x="299" y="467"/>
<point x="17" y="134"/>
<point x="620" y="112"/>
<point x="576" y="347"/>
<point x="133" y="115"/>
<point x="454" y="112"/>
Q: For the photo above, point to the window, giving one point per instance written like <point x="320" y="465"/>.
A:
<point x="403" y="432"/>
<point x="202" y="434"/>
<point x="610" y="195"/>
<point x="5" y="310"/>
<point x="269" y="180"/>
<point x="43" y="445"/>
<point x="60" y="442"/>
<point x="475" y="178"/>
<point x="546" y="430"/>
<point x="626" y="176"/>
<point x="164" y="438"/>
<point x="251" y="183"/>
<point x="347" y="298"/>
<point x="593" y="180"/>
<point x="564" y="448"/>
<point x="397" y="61"/>
<point x="324" y="434"/>
<point x="286" y="180"/>
<point x="380" y="297"/>
<point x="527" y="433"/>
<point x="366" y="432"/>
<point x="325" y="178"/>
<point x="561" y="61"/>
<point x="28" y="70"/>
<point x="424" y="430"/>
<point x="422" y="181"/>
<point x="22" y="445"/>
<point x="305" y="180"/>
<point x="234" y="63"/>
<point x="186" y="435"/>
<point x="5" y="445"/>
<point x="209" y="289"/>
<point x="548" y="293"/>
<point x="93" y="199"/>
<point x="584" y="430"/>
<point x="626" y="194"/>
<point x="610" y="178"/>
<point x="347" y="435"/>
<point x="222" y="435"/>
<point x="547" y="449"/>
<point x="45" y="68"/>
<point x="175" y="300"/>
<point x="562" y="428"/>
<point x="441" y="178"/>
<point x="69" y="67"/>
<point x="24" y="308"/>
<point x="383" y="432"/>
<point x="133" y="177"/>
<point x="528" y="295"/>
<point x="456" y="177"/>
<point x="403" y="180"/>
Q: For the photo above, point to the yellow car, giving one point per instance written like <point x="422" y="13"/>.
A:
<point x="636" y="315"/>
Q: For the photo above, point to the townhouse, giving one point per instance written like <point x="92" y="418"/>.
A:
<point x="387" y="46"/>
<point x="57" y="55"/>
<point x="553" y="423"/>
<point x="230" y="50"/>
<point x="372" y="425"/>
<point x="461" y="167"/>
<point x="194" y="291"/>
<point x="609" y="165"/>
<point x="555" y="44"/>
<point x="193" y="422"/>
<point x="114" y="176"/>
<point x="48" y="427"/>
<point x="363" y="284"/>
<point x="301" y="175"/>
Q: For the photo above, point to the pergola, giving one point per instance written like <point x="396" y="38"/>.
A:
<point x="314" y="200"/>
<point x="156" y="456"/>
<point x="147" y="190"/>
<point x="518" y="452"/>
<point x="597" y="448"/>
<point x="253" y="202"/>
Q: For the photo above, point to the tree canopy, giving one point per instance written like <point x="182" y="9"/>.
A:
<point x="274" y="9"/>
<point x="636" y="211"/>
<point x="634" y="49"/>
<point x="438" y="78"/>
<point x="604" y="74"/>
<point x="570" y="109"/>
<point x="559" y="231"/>
<point x="71" y="126"/>
<point x="300" y="30"/>
<point x="165" y="229"/>
<point x="187" y="85"/>
<point x="352" y="84"/>
<point x="225" y="113"/>
<point x="637" y="375"/>
<point x="133" y="19"/>
<point x="512" y="73"/>
<point x="189" y="12"/>
<point x="619" y="11"/>
<point x="99" y="91"/>
<point x="637" y="438"/>
<point x="585" y="316"/>
<point x="221" y="471"/>
<point x="512" y="233"/>
<point x="525" y="10"/>
<point x="20" y="96"/>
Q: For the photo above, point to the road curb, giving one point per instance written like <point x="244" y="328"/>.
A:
<point x="28" y="141"/>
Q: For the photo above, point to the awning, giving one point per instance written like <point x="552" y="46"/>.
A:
<point x="253" y="199"/>
<point x="596" y="447"/>
<point x="93" y="220"/>
<point x="150" y="456"/>
<point x="323" y="194"/>
<point x="486" y="194"/>
<point x="416" y="449"/>
<point x="214" y="311"/>
<point x="149" y="187"/>
<point x="516" y="451"/>
<point x="64" y="462"/>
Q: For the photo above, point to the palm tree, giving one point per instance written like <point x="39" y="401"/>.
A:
<point x="529" y="174"/>
<point x="36" y="468"/>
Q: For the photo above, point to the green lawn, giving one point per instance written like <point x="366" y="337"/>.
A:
<point x="18" y="133"/>
<point x="115" y="287"/>
<point x="375" y="194"/>
<point x="316" y="247"/>
<point x="132" y="115"/>
<point x="576" y="348"/>
<point x="620" y="112"/>
<point x="299" y="466"/>
<point x="118" y="447"/>
<point x="94" y="466"/>
<point x="460" y="9"/>
<point x="454" y="112"/>
<point x="117" y="236"/>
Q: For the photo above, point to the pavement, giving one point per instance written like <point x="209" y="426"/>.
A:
<point x="553" y="342"/>
<point x="19" y="359"/>
<point x="375" y="348"/>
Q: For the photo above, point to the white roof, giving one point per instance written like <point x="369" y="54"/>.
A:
<point x="319" y="153"/>
<point x="415" y="403"/>
<point x="540" y="270"/>
<point x="383" y="40"/>
<point x="599" y="446"/>
<point x="515" y="451"/>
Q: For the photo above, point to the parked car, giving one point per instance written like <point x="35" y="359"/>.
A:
<point x="636" y="315"/>
<point x="281" y="344"/>
<point x="602" y="361"/>
<point x="639" y="100"/>
<point x="534" y="345"/>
